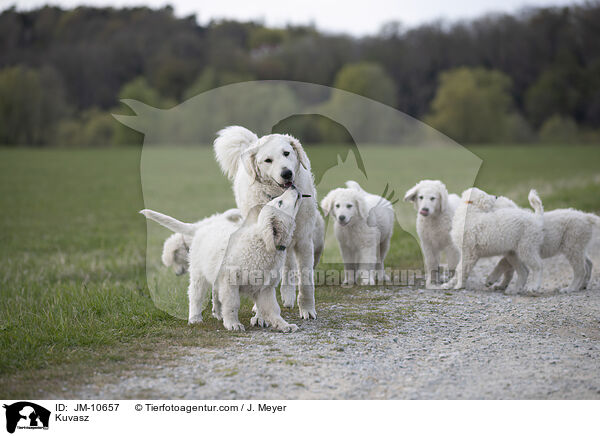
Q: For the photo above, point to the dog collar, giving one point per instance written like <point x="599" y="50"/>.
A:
<point x="280" y="247"/>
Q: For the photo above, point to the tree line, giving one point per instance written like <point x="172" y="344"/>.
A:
<point x="518" y="78"/>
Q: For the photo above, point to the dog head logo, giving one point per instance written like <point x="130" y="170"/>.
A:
<point x="26" y="415"/>
<point x="382" y="149"/>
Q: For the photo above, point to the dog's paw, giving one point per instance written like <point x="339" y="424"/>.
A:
<point x="234" y="326"/>
<point x="308" y="313"/>
<point x="288" y="328"/>
<point x="258" y="321"/>
<point x="196" y="319"/>
<point x="499" y="287"/>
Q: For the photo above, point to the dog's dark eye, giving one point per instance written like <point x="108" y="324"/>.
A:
<point x="432" y="198"/>
<point x="280" y="203"/>
<point x="337" y="206"/>
<point x="349" y="206"/>
<point x="286" y="153"/>
<point x="420" y="197"/>
<point x="268" y="160"/>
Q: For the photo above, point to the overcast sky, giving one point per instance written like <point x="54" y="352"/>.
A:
<point x="353" y="17"/>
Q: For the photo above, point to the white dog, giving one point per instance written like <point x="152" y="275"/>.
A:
<point x="261" y="168"/>
<point x="480" y="229"/>
<point x="435" y="209"/>
<point x="567" y="232"/>
<point x="363" y="227"/>
<point x="234" y="259"/>
<point x="177" y="246"/>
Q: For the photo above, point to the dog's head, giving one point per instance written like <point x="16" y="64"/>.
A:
<point x="277" y="219"/>
<point x="475" y="197"/>
<point x="275" y="159"/>
<point x="430" y="197"/>
<point x="344" y="205"/>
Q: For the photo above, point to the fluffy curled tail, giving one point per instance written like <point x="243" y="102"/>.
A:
<point x="536" y="203"/>
<point x="229" y="146"/>
<point x="354" y="185"/>
<point x="169" y="222"/>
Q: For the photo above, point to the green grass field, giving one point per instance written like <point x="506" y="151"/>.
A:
<point x="74" y="291"/>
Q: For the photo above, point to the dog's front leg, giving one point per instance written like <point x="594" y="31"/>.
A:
<point x="288" y="280"/>
<point x="229" y="296"/>
<point x="267" y="307"/>
<point x="367" y="264"/>
<point x="306" y="297"/>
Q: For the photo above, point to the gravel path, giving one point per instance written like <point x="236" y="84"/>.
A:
<point x="400" y="344"/>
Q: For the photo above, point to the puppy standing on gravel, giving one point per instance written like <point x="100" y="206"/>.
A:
<point x="480" y="229"/>
<point x="435" y="209"/>
<point x="567" y="232"/>
<point x="363" y="227"/>
<point x="177" y="246"/>
<point x="234" y="259"/>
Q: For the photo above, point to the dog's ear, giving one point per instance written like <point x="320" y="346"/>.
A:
<point x="249" y="160"/>
<point x="302" y="157"/>
<point x="411" y="195"/>
<point x="443" y="197"/>
<point x="327" y="203"/>
<point x="272" y="233"/>
<point x="361" y="206"/>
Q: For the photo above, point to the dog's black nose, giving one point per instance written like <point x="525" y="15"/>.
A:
<point x="286" y="174"/>
<point x="342" y="217"/>
<point x="425" y="209"/>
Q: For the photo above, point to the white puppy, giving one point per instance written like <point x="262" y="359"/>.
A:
<point x="567" y="232"/>
<point x="177" y="246"/>
<point x="435" y="209"/>
<point x="261" y="168"/>
<point x="363" y="227"/>
<point x="246" y="259"/>
<point x="480" y="229"/>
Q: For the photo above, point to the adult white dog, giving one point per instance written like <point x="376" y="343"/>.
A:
<point x="363" y="226"/>
<point x="480" y="229"/>
<point x="567" y="232"/>
<point x="261" y="168"/>
<point x="435" y="211"/>
<point x="177" y="246"/>
<point x="234" y="260"/>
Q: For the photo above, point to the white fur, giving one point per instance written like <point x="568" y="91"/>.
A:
<point x="234" y="260"/>
<point x="363" y="227"/>
<point x="479" y="229"/>
<point x="435" y="210"/>
<point x="256" y="181"/>
<point x="176" y="247"/>
<point x="567" y="232"/>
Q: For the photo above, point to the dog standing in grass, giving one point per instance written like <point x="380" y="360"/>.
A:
<point x="363" y="226"/>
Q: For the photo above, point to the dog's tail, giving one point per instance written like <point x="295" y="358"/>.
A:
<point x="536" y="203"/>
<point x="351" y="184"/>
<point x="229" y="146"/>
<point x="170" y="223"/>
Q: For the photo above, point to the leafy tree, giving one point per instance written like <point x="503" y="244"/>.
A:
<point x="367" y="79"/>
<point x="31" y="103"/>
<point x="472" y="105"/>
<point x="559" y="130"/>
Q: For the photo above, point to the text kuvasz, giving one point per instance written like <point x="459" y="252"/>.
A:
<point x="233" y="259"/>
<point x="479" y="229"/>
<point x="177" y="246"/>
<point x="363" y="226"/>
<point x="435" y="211"/>
<point x="567" y="232"/>
<point x="262" y="168"/>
